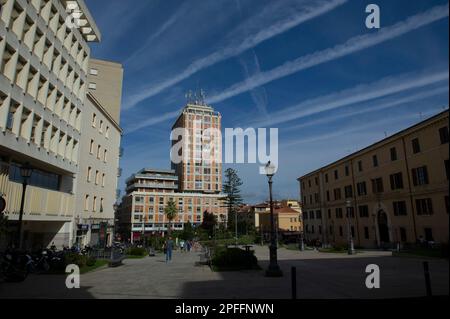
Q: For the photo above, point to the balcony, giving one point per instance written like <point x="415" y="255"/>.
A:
<point x="40" y="203"/>
<point x="152" y="185"/>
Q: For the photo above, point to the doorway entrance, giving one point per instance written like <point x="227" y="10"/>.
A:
<point x="383" y="228"/>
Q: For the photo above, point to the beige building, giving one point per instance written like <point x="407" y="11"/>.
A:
<point x="100" y="151"/>
<point x="43" y="85"/>
<point x="148" y="192"/>
<point x="195" y="173"/>
<point x="288" y="216"/>
<point x="394" y="191"/>
<point x="194" y="184"/>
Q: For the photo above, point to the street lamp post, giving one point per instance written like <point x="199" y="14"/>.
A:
<point x="115" y="207"/>
<point x="351" y="249"/>
<point x="25" y="171"/>
<point x="273" y="270"/>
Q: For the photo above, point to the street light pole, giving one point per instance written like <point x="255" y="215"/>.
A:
<point x="351" y="249"/>
<point x="273" y="270"/>
<point x="25" y="171"/>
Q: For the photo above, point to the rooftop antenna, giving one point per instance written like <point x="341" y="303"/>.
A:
<point x="385" y="134"/>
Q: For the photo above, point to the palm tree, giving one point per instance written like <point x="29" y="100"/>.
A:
<point x="171" y="213"/>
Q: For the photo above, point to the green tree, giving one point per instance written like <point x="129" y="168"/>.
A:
<point x="188" y="232"/>
<point x="208" y="223"/>
<point x="171" y="213"/>
<point x="233" y="199"/>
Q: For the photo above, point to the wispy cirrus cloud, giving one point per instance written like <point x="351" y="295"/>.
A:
<point x="352" y="45"/>
<point x="357" y="94"/>
<point x="134" y="58"/>
<point x="365" y="127"/>
<point x="375" y="106"/>
<point x="238" y="46"/>
<point x="151" y="121"/>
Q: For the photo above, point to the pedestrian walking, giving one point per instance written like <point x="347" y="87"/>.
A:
<point x="168" y="248"/>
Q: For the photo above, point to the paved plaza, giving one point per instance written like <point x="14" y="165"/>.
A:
<point x="319" y="275"/>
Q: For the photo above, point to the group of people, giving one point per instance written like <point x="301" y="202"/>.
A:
<point x="183" y="245"/>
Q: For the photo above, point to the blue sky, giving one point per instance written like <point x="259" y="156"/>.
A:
<point x="310" y="68"/>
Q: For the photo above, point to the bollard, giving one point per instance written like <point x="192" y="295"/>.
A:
<point x="294" y="282"/>
<point x="426" y="272"/>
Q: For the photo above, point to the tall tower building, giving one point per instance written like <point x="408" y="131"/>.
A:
<point x="200" y="168"/>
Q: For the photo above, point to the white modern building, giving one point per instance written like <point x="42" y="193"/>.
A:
<point x="44" y="111"/>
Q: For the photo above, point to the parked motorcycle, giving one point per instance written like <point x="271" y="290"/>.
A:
<point x="14" y="266"/>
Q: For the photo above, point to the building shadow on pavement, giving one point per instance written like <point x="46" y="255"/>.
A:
<point x="327" y="279"/>
<point x="43" y="287"/>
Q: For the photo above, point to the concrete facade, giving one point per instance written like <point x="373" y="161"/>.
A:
<point x="43" y="85"/>
<point x="397" y="191"/>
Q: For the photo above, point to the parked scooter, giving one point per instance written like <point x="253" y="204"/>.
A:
<point x="13" y="266"/>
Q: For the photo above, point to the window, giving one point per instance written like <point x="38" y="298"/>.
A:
<point x="363" y="211"/>
<point x="328" y="195"/>
<point x="375" y="161"/>
<point x="101" y="126"/>
<point x="337" y="194"/>
<point x="94" y="204"/>
<point x="92" y="86"/>
<point x="399" y="208"/>
<point x="309" y="183"/>
<point x="348" y="191"/>
<point x="362" y="189"/>
<point x="447" y="168"/>
<point x="326" y="178"/>
<point x="347" y="170"/>
<point x="377" y="185"/>
<point x="139" y="199"/>
<point x="415" y="146"/>
<point x="89" y="171"/>
<point x="316" y="198"/>
<point x="305" y="216"/>
<point x="329" y="213"/>
<point x="318" y="214"/>
<point x="360" y="166"/>
<point x="341" y="233"/>
<point x="86" y="203"/>
<point x="94" y="120"/>
<point x="105" y="155"/>
<point x="396" y="181"/>
<point x="107" y="132"/>
<point x="97" y="177"/>
<point x="336" y="174"/>
<point x="101" y="205"/>
<point x="339" y="213"/>
<point x="99" y="151"/>
<point x="93" y="71"/>
<point x="443" y="134"/>
<point x="403" y="237"/>
<point x="350" y="212"/>
<point x="311" y="215"/>
<point x="420" y="176"/>
<point x="393" y="154"/>
<point x="91" y="147"/>
<point x="103" y="180"/>
<point x="317" y="181"/>
<point x="424" y="206"/>
<point x="366" y="232"/>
